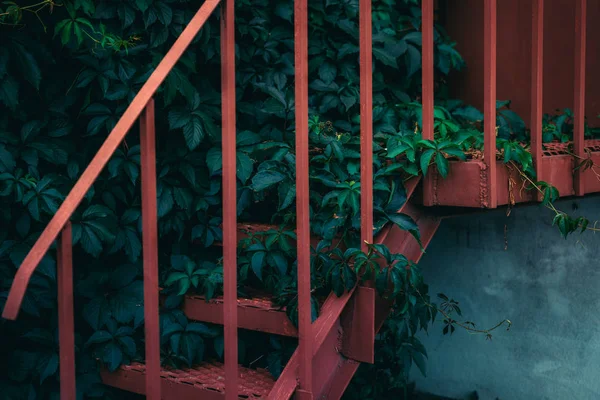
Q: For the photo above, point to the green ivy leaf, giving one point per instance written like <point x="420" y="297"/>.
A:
<point x="426" y="160"/>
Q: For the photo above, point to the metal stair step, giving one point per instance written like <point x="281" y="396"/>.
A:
<point x="257" y="313"/>
<point x="205" y="381"/>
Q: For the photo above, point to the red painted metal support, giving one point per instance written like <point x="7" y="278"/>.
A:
<point x="150" y="250"/>
<point x="66" y="327"/>
<point x="305" y="345"/>
<point x="489" y="21"/>
<point x="427" y="91"/>
<point x="229" y="198"/>
<point x="579" y="102"/>
<point x="366" y="123"/>
<point x="537" y="85"/>
<point x="362" y="327"/>
<point x="66" y="209"/>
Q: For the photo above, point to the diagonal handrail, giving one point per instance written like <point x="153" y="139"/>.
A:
<point x="89" y="176"/>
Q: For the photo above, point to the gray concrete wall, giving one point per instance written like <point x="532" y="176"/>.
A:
<point x="547" y="286"/>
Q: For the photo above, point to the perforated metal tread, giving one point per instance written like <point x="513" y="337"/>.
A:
<point x="257" y="313"/>
<point x="557" y="148"/>
<point x="206" y="380"/>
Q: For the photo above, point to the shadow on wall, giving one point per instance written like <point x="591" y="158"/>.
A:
<point x="547" y="286"/>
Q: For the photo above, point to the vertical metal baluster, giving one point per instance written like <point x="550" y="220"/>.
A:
<point x="150" y="251"/>
<point x="302" y="198"/>
<point x="427" y="91"/>
<point x="66" y="327"/>
<point x="537" y="85"/>
<point x="579" y="102"/>
<point x="366" y="123"/>
<point x="489" y="20"/>
<point x="427" y="66"/>
<point x="229" y="197"/>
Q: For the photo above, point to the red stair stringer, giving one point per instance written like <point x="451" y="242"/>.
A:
<point x="401" y="242"/>
<point x="335" y="370"/>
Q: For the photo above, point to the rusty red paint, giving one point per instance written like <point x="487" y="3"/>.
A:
<point x="579" y="102"/>
<point x="489" y="104"/>
<point x="302" y="196"/>
<point x="230" y="307"/>
<point x="66" y="327"/>
<point x="150" y="250"/>
<point x="66" y="209"/>
<point x="366" y="122"/>
<point x="537" y="84"/>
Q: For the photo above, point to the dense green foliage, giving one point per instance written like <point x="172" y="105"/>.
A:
<point x="68" y="71"/>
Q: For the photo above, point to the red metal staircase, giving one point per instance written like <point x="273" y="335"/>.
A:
<point x="330" y="349"/>
<point x="330" y="342"/>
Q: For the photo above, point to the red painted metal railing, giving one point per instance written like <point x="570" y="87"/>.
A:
<point x="485" y="184"/>
<point x="143" y="105"/>
<point x="59" y="224"/>
<point x="311" y="336"/>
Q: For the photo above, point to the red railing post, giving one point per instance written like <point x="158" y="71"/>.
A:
<point x="427" y="92"/>
<point x="366" y="123"/>
<point x="302" y="198"/>
<point x="579" y="102"/>
<point x="150" y="251"/>
<point x="66" y="327"/>
<point x="489" y="104"/>
<point x="537" y="85"/>
<point x="427" y="88"/>
<point x="228" y="105"/>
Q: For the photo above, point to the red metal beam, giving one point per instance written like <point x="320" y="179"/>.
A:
<point x="66" y="209"/>
<point x="302" y="199"/>
<point x="579" y="102"/>
<point x="328" y="320"/>
<point x="399" y="241"/>
<point x="229" y="198"/>
<point x="66" y="327"/>
<point x="489" y="106"/>
<point x="537" y="84"/>
<point x="150" y="250"/>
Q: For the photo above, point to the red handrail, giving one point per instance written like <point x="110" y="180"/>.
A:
<point x="66" y="209"/>
<point x="60" y="221"/>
